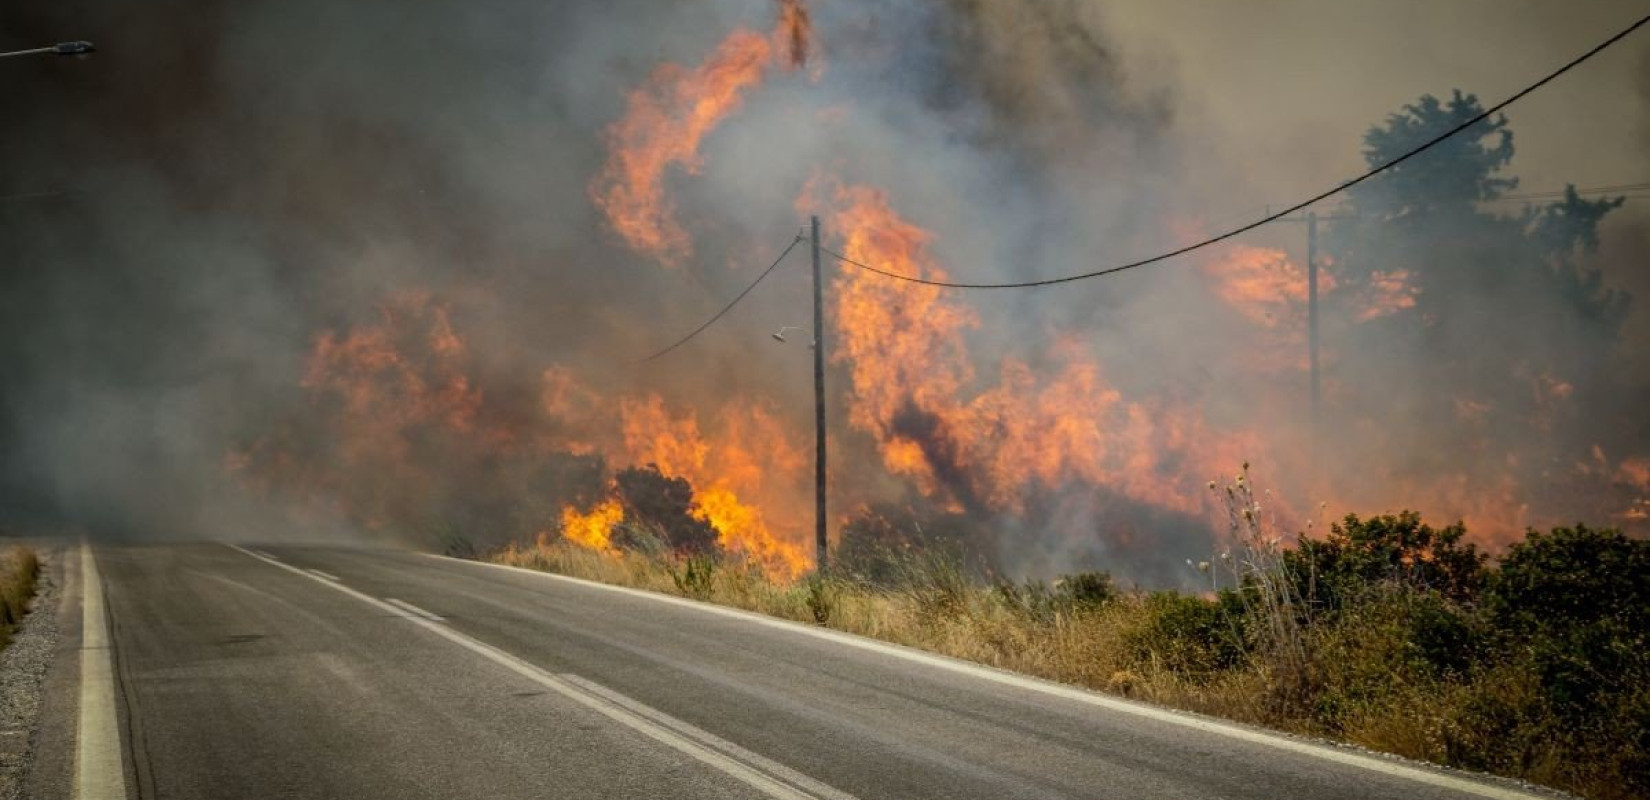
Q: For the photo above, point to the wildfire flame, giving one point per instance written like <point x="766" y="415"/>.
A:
<point x="592" y="529"/>
<point x="905" y="348"/>
<point x="1389" y="293"/>
<point x="967" y="435"/>
<point x="750" y="453"/>
<point x="666" y="120"/>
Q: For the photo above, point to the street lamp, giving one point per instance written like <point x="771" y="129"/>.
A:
<point x="78" y="49"/>
<point x="779" y="335"/>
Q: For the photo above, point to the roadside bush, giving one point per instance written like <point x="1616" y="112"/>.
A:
<point x="1362" y="553"/>
<point x="1087" y="590"/>
<point x="1571" y="607"/>
<point x="1532" y="666"/>
<point x="1394" y="642"/>
<point x="694" y="576"/>
<point x="1043" y="603"/>
<point x="1190" y="635"/>
<point x="1578" y="601"/>
<point x="664" y="505"/>
<point x="821" y="597"/>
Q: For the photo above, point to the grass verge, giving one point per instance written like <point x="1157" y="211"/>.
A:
<point x="1387" y="634"/>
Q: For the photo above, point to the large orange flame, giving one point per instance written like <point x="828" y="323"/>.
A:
<point x="666" y="120"/>
<point x="592" y="529"/>
<point x="913" y="387"/>
<point x="750" y="458"/>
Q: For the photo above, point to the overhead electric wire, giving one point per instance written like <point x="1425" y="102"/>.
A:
<point x="726" y="308"/>
<point x="1625" y="188"/>
<point x="1486" y="114"/>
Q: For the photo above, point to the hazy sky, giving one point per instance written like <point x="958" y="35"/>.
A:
<point x="1295" y="83"/>
<point x="1290" y="86"/>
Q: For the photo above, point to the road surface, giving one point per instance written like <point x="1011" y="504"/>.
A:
<point x="213" y="671"/>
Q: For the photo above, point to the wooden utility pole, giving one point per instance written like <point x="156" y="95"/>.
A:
<point x="1311" y="219"/>
<point x="819" y="404"/>
<point x="1312" y="311"/>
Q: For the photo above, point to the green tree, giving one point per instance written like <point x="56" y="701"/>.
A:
<point x="1475" y="327"/>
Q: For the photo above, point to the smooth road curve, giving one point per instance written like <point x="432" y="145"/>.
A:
<point x="215" y="671"/>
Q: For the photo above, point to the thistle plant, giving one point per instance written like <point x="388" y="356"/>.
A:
<point x="1261" y="577"/>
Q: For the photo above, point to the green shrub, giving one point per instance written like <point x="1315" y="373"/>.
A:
<point x="1086" y="590"/>
<point x="1190" y="635"/>
<point x="694" y="576"/>
<point x="821" y="597"/>
<point x="1576" y="603"/>
<point x="1069" y="594"/>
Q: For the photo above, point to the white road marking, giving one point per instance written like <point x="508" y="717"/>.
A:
<point x="329" y="576"/>
<point x="768" y="777"/>
<point x="711" y="740"/>
<point x="1350" y="758"/>
<point x="100" y="771"/>
<point x="411" y="609"/>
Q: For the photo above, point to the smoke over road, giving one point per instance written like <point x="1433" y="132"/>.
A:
<point x="380" y="269"/>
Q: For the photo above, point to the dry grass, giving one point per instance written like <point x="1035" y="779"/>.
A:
<point x="1327" y="680"/>
<point x="19" y="571"/>
<point x="1106" y="646"/>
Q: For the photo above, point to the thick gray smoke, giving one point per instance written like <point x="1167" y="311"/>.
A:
<point x="227" y="181"/>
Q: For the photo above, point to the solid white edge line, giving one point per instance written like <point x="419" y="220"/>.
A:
<point x="100" y="769"/>
<point x="1395" y="769"/>
<point x="711" y="740"/>
<point x="329" y="576"/>
<point x="770" y="785"/>
<point x="412" y="609"/>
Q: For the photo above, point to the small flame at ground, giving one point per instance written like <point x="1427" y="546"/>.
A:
<point x="593" y="529"/>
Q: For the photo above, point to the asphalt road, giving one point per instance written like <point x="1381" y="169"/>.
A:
<point x="333" y="673"/>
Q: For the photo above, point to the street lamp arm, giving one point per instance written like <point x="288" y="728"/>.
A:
<point x="35" y="52"/>
<point x="60" y="49"/>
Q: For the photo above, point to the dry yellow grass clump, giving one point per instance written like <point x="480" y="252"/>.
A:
<point x="19" y="571"/>
<point x="1109" y="642"/>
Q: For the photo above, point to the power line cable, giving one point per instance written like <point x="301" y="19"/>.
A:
<point x="1486" y="114"/>
<point x="726" y="308"/>
<point x="1625" y="188"/>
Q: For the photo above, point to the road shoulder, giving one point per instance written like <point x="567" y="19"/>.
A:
<point x="29" y="672"/>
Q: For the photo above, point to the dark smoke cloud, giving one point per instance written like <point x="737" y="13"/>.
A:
<point x="241" y="176"/>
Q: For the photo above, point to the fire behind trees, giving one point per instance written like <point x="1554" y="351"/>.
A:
<point x="1468" y="366"/>
<point x="403" y="433"/>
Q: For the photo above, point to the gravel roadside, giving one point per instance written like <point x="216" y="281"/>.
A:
<point x="23" y="666"/>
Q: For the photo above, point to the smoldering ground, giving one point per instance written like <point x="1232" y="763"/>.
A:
<point x="230" y="183"/>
